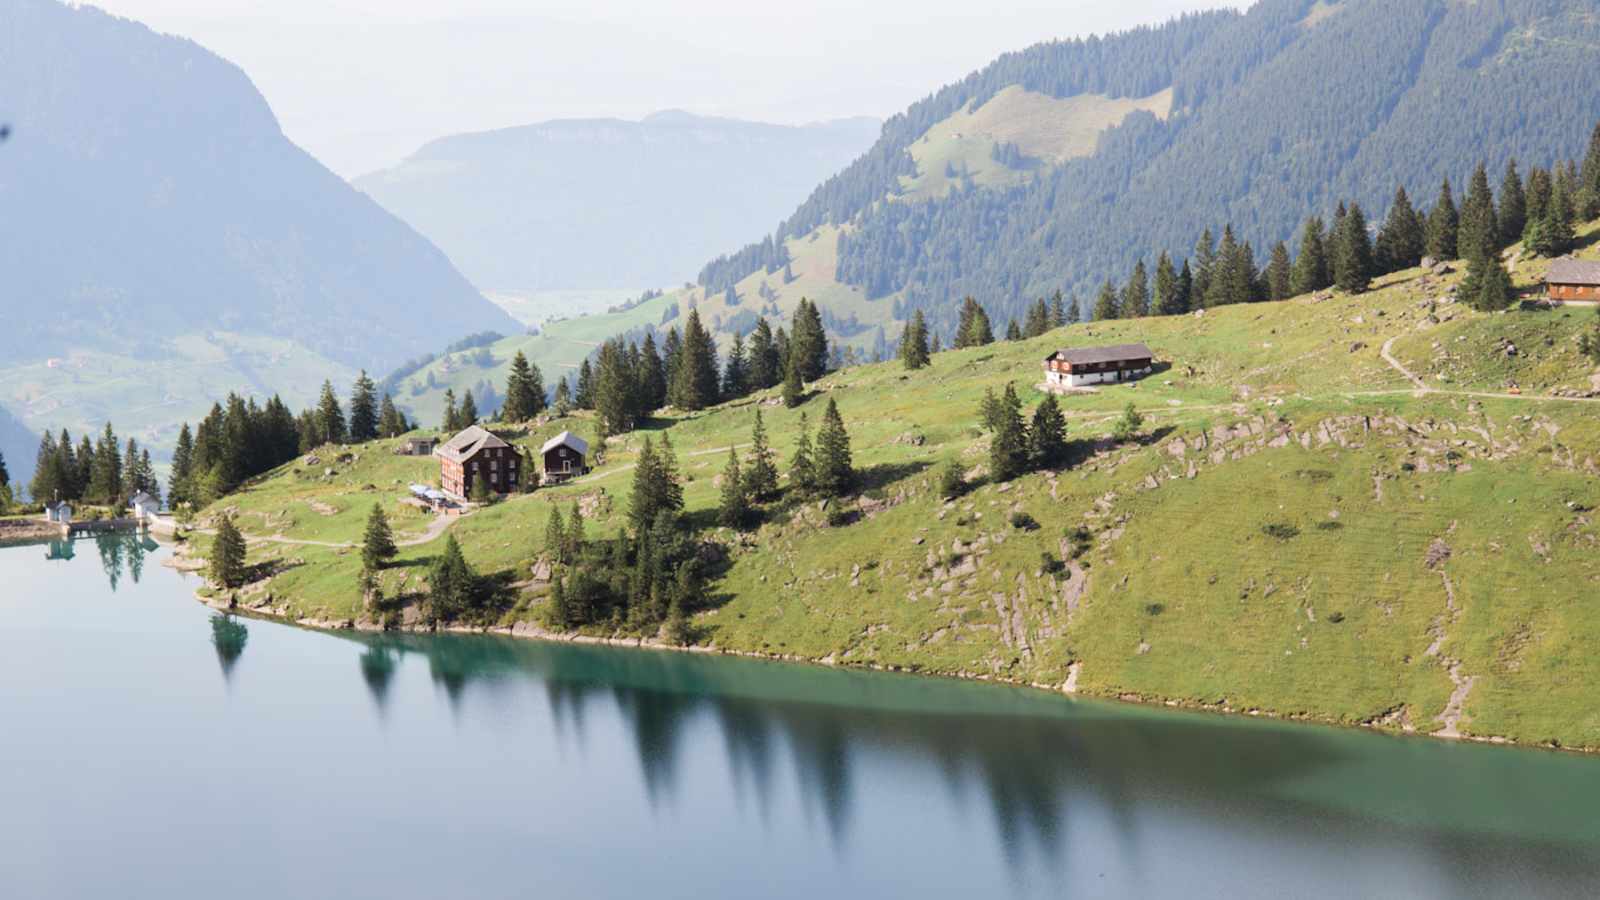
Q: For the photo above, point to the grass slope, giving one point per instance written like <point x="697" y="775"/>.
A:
<point x="1300" y="533"/>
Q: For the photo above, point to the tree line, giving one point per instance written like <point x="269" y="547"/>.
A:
<point x="104" y="471"/>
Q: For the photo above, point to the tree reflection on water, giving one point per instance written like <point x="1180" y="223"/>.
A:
<point x="228" y="636"/>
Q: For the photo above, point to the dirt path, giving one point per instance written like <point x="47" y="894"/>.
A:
<point x="1422" y="386"/>
<point x="630" y="466"/>
<point x="1398" y="367"/>
<point x="434" y="529"/>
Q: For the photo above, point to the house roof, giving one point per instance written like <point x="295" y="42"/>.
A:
<point x="566" y="438"/>
<point x="1087" y="355"/>
<point x="468" y="443"/>
<point x="143" y="499"/>
<point x="1573" y="271"/>
<point x="57" y="504"/>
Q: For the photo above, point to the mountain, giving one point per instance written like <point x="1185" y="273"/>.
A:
<point x="164" y="242"/>
<point x="605" y="203"/>
<point x="18" y="446"/>
<point x="1059" y="166"/>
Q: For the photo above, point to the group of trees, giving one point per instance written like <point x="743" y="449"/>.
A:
<point x="1017" y="446"/>
<point x="103" y="471"/>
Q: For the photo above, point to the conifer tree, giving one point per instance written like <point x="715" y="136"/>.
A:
<point x="1205" y="259"/>
<point x="330" y="417"/>
<point x="557" y="615"/>
<point x="1401" y="240"/>
<point x="227" y="555"/>
<point x="914" y="342"/>
<point x="563" y="398"/>
<point x="1311" y="266"/>
<point x="761" y="476"/>
<point x="1479" y="231"/>
<point x="182" y="468"/>
<point x="694" y="378"/>
<point x="1443" y="225"/>
<point x="1047" y="437"/>
<point x="1136" y="293"/>
<point x="391" y="422"/>
<point x="1106" y="306"/>
<point x="105" y="485"/>
<point x="452" y="585"/>
<point x="1013" y="330"/>
<point x="1538" y="193"/>
<point x="1588" y="199"/>
<point x="973" y="328"/>
<point x="765" y="370"/>
<point x="1058" y="311"/>
<point x="377" y="544"/>
<point x="1280" y="274"/>
<point x="1513" y="215"/>
<point x="1352" y="261"/>
<point x="524" y="391"/>
<point x="1128" y="426"/>
<point x="555" y="536"/>
<point x="1487" y="286"/>
<point x="583" y="395"/>
<point x="809" y="342"/>
<point x="46" y="484"/>
<point x="1166" y="293"/>
<point x="452" y="415"/>
<point x="735" y="506"/>
<point x="363" y="410"/>
<point x="794" y="391"/>
<point x="653" y="381"/>
<point x="1185" y="299"/>
<point x="1038" y="321"/>
<point x="802" y="465"/>
<point x="835" y="470"/>
<point x="572" y="543"/>
<point x="735" y="372"/>
<point x="1008" y="449"/>
<point x="468" y="415"/>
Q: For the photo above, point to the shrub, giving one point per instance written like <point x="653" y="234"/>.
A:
<point x="1155" y="609"/>
<point x="952" y="482"/>
<point x="1329" y="526"/>
<point x="1336" y="617"/>
<point x="1081" y="540"/>
<point x="1280" y="530"/>
<point x="1023" y="521"/>
<point x="838" y="516"/>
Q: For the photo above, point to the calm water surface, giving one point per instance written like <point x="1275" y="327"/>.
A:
<point x="151" y="749"/>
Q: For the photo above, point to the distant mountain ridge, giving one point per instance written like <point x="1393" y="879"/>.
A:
<point x="609" y="203"/>
<point x="148" y="191"/>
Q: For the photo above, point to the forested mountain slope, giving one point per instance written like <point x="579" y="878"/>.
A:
<point x="606" y="203"/>
<point x="1273" y="113"/>
<point x="18" y="445"/>
<point x="149" y="192"/>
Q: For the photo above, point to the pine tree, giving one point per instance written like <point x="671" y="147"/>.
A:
<point x="802" y="465"/>
<point x="1443" y="225"/>
<point x="563" y="398"/>
<point x="1311" y="266"/>
<point x="765" y="371"/>
<point x="555" y="536"/>
<point x="1013" y="330"/>
<point x="1047" y="437"/>
<point x="377" y="544"/>
<point x="330" y="417"/>
<point x="1058" y="311"/>
<point x="761" y="476"/>
<point x="391" y="422"/>
<point x="1401" y="240"/>
<point x="1008" y="449"/>
<point x="105" y="485"/>
<point x="363" y="410"/>
<point x="452" y="585"/>
<point x="1352" y="262"/>
<point x="1128" y="426"/>
<point x="1038" y="321"/>
<point x="653" y="381"/>
<point x="1280" y="273"/>
<point x="694" y="378"/>
<point x="1205" y="260"/>
<point x="973" y="328"/>
<point x="794" y="391"/>
<point x="227" y="555"/>
<point x="809" y="342"/>
<point x="835" y="471"/>
<point x="1487" y="286"/>
<point x="1479" y="230"/>
<point x="1588" y="199"/>
<point x="468" y="416"/>
<point x="572" y="543"/>
<point x="1136" y="293"/>
<point x="452" y="416"/>
<point x="524" y="391"/>
<point x="46" y="486"/>
<point x="1106" y="306"/>
<point x="914" y="342"/>
<point x="583" y="395"/>
<point x="1166" y="293"/>
<point x="735" y="372"/>
<point x="735" y="507"/>
<point x="1513" y="216"/>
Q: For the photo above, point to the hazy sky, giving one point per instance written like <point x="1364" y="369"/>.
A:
<point x="362" y="83"/>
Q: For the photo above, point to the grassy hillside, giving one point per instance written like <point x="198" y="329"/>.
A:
<point x="1299" y="531"/>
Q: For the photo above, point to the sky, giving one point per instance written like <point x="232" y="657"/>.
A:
<point x="363" y="83"/>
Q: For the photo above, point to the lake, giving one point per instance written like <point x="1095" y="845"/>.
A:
<point x="149" y="747"/>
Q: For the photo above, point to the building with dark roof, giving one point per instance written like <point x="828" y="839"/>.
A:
<point x="477" y="453"/>
<point x="1086" y="366"/>
<point x="1573" y="279"/>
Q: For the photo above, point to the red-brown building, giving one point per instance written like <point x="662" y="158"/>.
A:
<point x="1573" y="279"/>
<point x="473" y="454"/>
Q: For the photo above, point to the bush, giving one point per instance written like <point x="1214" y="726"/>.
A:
<point x="1049" y="564"/>
<point x="1336" y="618"/>
<point x="1023" y="521"/>
<point x="952" y="481"/>
<point x="838" y="516"/>
<point x="1155" y="609"/>
<point x="1280" y="530"/>
<point x="1081" y="540"/>
<point x="1329" y="526"/>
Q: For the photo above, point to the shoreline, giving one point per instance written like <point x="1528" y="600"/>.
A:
<point x="1068" y="689"/>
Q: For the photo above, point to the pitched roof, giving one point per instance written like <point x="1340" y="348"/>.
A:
<point x="1573" y="271"/>
<point x="1118" y="353"/>
<point x="566" y="438"/>
<point x="467" y="444"/>
<point x="57" y="504"/>
<point x="144" y="499"/>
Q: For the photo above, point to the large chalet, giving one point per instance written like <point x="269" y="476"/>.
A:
<point x="1084" y="366"/>
<point x="1573" y="279"/>
<point x="473" y="454"/>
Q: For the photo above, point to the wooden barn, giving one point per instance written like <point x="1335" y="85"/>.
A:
<point x="477" y="453"/>
<point x="417" y="446"/>
<point x="565" y="456"/>
<point x="1572" y="280"/>
<point x="1086" y="366"/>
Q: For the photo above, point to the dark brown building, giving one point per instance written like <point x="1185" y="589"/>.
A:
<point x="473" y="454"/>
<point x="565" y="456"/>
<point x="1573" y="279"/>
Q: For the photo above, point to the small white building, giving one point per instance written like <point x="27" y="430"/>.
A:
<point x="144" y="507"/>
<point x="1086" y="366"/>
<point x="59" y="512"/>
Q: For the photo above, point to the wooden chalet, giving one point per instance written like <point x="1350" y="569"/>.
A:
<point x="1086" y="366"/>
<point x="417" y="446"/>
<point x="565" y="456"/>
<point x="477" y="453"/>
<point x="1573" y="280"/>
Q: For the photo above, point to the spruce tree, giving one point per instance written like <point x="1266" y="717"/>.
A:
<point x="653" y="381"/>
<point x="1538" y="193"/>
<point x="914" y="342"/>
<point x="391" y="422"/>
<point x="1280" y="274"/>
<point x="809" y="342"/>
<point x="802" y="465"/>
<point x="46" y="486"/>
<point x="1106" y="306"/>
<point x="1353" y="253"/>
<point x="363" y="410"/>
<point x="1013" y="330"/>
<point x="1443" y="225"/>
<point x="105" y="485"/>
<point x="1128" y="426"/>
<point x="1047" y="437"/>
<point x="1479" y="231"/>
<point x="735" y="372"/>
<point x="1401" y="240"/>
<point x="1588" y="199"/>
<point x="555" y="536"/>
<point x="452" y="416"/>
<point x="377" y="544"/>
<point x="1136" y="293"/>
<point x="1487" y="286"/>
<point x="452" y="585"/>
<point x="694" y="377"/>
<point x="573" y="542"/>
<point x="1513" y="216"/>
<point x="1166" y="293"/>
<point x="1185" y="299"/>
<point x="735" y="507"/>
<point x="583" y="394"/>
<point x="973" y="328"/>
<point x="761" y="476"/>
<point x="1038" y="320"/>
<point x="524" y="391"/>
<point x="835" y="471"/>
<point x="1311" y="266"/>
<point x="330" y="417"/>
<point x="1008" y="449"/>
<point x="1205" y="260"/>
<point x="794" y="391"/>
<point x="765" y="371"/>
<point x="563" y="398"/>
<point x="468" y="416"/>
<point x="226" y="568"/>
<point x="1058" y="311"/>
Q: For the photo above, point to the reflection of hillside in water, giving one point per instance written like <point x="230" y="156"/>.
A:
<point x="1037" y="762"/>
